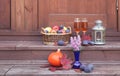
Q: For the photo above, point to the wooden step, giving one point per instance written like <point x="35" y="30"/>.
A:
<point x="36" y="50"/>
<point x="36" y="68"/>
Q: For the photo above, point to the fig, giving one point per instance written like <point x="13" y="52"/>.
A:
<point x="82" y="67"/>
<point x="61" y="43"/>
<point x="61" y="27"/>
<point x="67" y="31"/>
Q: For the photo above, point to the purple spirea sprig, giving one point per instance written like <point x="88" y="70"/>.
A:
<point x="75" y="42"/>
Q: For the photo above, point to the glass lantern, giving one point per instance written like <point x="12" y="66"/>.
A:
<point x="98" y="33"/>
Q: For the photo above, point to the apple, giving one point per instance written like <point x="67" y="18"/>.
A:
<point x="48" y="29"/>
<point x="56" y="28"/>
<point x="65" y="28"/>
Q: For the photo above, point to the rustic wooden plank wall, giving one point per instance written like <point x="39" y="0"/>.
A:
<point x="28" y="16"/>
<point x="64" y="11"/>
<point x="24" y="15"/>
<point x="4" y="14"/>
<point x="111" y="15"/>
<point x="119" y="15"/>
<point x="43" y="8"/>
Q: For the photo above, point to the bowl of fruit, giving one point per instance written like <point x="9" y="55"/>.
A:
<point x="52" y="35"/>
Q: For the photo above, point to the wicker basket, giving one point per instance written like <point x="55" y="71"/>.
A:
<point x="51" y="38"/>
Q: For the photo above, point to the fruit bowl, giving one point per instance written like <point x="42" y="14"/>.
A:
<point x="51" y="36"/>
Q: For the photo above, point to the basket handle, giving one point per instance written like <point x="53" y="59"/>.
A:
<point x="70" y="29"/>
<point x="42" y="30"/>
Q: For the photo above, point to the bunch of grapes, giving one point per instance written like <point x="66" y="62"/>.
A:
<point x="75" y="42"/>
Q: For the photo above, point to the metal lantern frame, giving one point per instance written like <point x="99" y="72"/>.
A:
<point x="98" y="33"/>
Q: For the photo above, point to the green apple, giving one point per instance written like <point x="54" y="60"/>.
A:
<point x="48" y="29"/>
<point x="65" y="28"/>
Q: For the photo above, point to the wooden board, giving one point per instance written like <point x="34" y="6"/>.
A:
<point x="4" y="14"/>
<point x="64" y="12"/>
<point x="24" y="15"/>
<point x="28" y="16"/>
<point x="119" y="15"/>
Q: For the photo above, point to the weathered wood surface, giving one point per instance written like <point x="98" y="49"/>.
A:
<point x="30" y="15"/>
<point x="119" y="15"/>
<point x="23" y="19"/>
<point x="36" y="50"/>
<point x="4" y="14"/>
<point x="38" y="45"/>
<point x="24" y="15"/>
<point x="64" y="12"/>
<point x="36" y="68"/>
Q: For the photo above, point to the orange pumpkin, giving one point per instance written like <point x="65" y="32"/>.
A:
<point x="54" y="58"/>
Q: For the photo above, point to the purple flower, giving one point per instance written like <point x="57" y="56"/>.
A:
<point x="75" y="42"/>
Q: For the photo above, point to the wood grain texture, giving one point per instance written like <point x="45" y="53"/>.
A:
<point x="24" y="15"/>
<point x="20" y="15"/>
<point x="13" y="15"/>
<point x="119" y="15"/>
<point x="43" y="13"/>
<point x="35" y="26"/>
<point x="36" y="50"/>
<point x="111" y="15"/>
<point x="31" y="15"/>
<point x="4" y="14"/>
<point x="28" y="16"/>
<point x="64" y="12"/>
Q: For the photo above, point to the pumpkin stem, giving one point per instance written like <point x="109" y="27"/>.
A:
<point x="58" y="50"/>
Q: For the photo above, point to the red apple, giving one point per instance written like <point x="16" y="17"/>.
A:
<point x="56" y="28"/>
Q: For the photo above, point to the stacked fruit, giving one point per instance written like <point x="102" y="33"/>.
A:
<point x="57" y="29"/>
